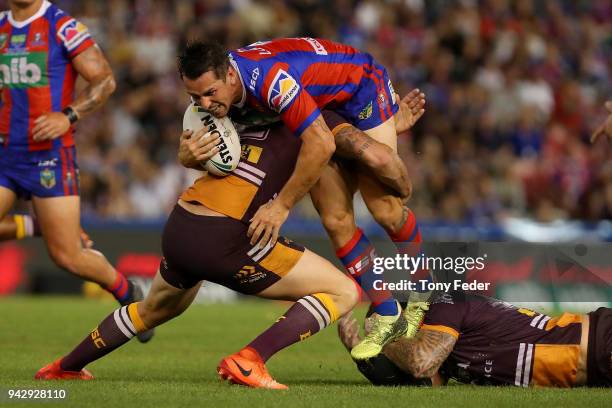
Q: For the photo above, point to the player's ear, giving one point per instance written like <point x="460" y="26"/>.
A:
<point x="231" y="76"/>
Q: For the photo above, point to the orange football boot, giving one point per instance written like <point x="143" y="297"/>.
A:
<point x="247" y="368"/>
<point x="53" y="371"/>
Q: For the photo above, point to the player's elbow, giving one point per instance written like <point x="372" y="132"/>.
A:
<point x="328" y="148"/>
<point x="110" y="84"/>
<point x="423" y="370"/>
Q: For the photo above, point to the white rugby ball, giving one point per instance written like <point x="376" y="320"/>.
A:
<point x="226" y="160"/>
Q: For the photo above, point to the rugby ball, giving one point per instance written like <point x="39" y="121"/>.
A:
<point x="226" y="160"/>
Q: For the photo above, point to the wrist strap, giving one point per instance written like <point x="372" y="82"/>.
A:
<point x="70" y="114"/>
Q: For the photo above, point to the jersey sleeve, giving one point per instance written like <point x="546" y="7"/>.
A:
<point x="284" y="94"/>
<point x="73" y="36"/>
<point x="445" y="317"/>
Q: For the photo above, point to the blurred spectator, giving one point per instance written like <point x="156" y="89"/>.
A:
<point x="514" y="90"/>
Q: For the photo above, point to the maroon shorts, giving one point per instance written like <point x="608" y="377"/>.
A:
<point x="599" y="354"/>
<point x="217" y="249"/>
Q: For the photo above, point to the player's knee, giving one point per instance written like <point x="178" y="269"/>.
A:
<point x="63" y="258"/>
<point x="338" y="223"/>
<point x="347" y="296"/>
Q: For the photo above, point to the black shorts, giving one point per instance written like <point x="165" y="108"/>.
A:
<point x="217" y="249"/>
<point x="599" y="354"/>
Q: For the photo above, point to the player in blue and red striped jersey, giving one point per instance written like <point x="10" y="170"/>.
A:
<point x="42" y="51"/>
<point x="295" y="78"/>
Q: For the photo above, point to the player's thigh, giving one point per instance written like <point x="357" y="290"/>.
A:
<point x="385" y="133"/>
<point x="59" y="220"/>
<point x="311" y="274"/>
<point x="7" y="200"/>
<point x="332" y="196"/>
<point x="164" y="301"/>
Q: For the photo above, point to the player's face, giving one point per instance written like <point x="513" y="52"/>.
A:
<point x="23" y="3"/>
<point x="211" y="92"/>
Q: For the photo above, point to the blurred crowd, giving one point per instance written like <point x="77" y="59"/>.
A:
<point x="513" y="88"/>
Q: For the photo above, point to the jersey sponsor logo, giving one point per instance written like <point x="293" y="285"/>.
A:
<point x="318" y="47"/>
<point x="250" y="153"/>
<point x="73" y="33"/>
<point x="24" y="71"/>
<point x="3" y="38"/>
<point x="248" y="274"/>
<point x="97" y="339"/>
<point x="18" y="39"/>
<point x="224" y="152"/>
<point x="47" y="163"/>
<point x="253" y="81"/>
<point x="283" y="90"/>
<point x="366" y="112"/>
<point x="304" y="336"/>
<point x="47" y="178"/>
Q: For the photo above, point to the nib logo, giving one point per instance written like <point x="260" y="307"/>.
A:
<point x="24" y="71"/>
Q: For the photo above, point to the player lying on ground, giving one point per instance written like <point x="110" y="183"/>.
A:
<point x="205" y="238"/>
<point x="480" y="340"/>
<point x="296" y="78"/>
<point x="43" y="51"/>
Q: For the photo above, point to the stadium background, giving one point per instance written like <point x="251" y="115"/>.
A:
<point x="513" y="88"/>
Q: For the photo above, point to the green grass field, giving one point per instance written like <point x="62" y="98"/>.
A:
<point x="178" y="367"/>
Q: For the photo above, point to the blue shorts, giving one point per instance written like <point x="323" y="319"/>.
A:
<point x="374" y="101"/>
<point x="48" y="173"/>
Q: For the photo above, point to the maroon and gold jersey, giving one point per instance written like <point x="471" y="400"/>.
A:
<point x="267" y="161"/>
<point x="498" y="343"/>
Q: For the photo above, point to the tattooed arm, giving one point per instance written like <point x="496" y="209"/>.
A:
<point x="316" y="150"/>
<point x="385" y="164"/>
<point x="423" y="355"/>
<point x="94" y="68"/>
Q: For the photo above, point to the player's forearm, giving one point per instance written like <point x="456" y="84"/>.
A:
<point x="308" y="169"/>
<point x="423" y="355"/>
<point x="317" y="148"/>
<point x="94" y="94"/>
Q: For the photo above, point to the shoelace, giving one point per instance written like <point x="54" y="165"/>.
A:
<point x="376" y="335"/>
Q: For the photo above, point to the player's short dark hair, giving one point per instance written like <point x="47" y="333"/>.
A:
<point x="199" y="57"/>
<point x="382" y="371"/>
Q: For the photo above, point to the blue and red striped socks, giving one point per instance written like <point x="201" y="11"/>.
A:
<point x="357" y="256"/>
<point x="119" y="288"/>
<point x="407" y="241"/>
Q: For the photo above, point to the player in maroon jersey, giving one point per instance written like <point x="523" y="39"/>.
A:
<point x="480" y="340"/>
<point x="295" y="78"/>
<point x="42" y="51"/>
